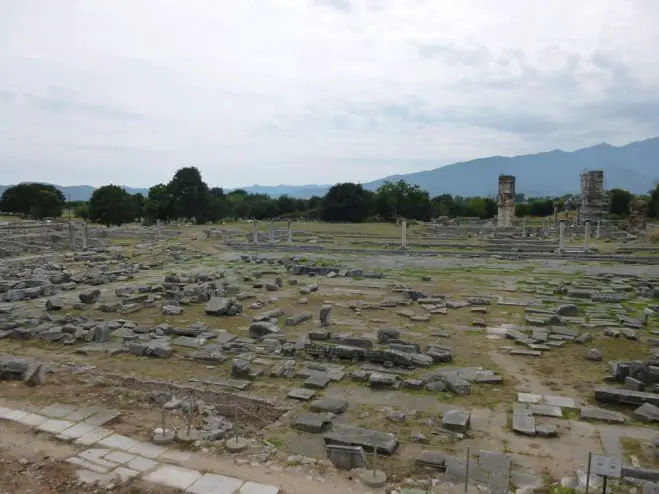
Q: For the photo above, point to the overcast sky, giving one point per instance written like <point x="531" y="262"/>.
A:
<point x="314" y="91"/>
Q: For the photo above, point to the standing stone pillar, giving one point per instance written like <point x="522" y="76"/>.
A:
<point x="159" y="228"/>
<point x="524" y="228"/>
<point x="586" y="235"/>
<point x="255" y="233"/>
<point x="85" y="236"/>
<point x="597" y="231"/>
<point x="272" y="231"/>
<point x="290" y="232"/>
<point x="403" y="234"/>
<point x="561" y="236"/>
<point x="72" y="235"/>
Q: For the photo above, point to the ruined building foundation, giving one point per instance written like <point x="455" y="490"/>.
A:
<point x="506" y="201"/>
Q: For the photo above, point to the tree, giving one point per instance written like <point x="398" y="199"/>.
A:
<point x="159" y="204"/>
<point x="189" y="194"/>
<point x="285" y="204"/>
<point x="82" y="211"/>
<point x="401" y="200"/>
<point x="111" y="205"/>
<point x="218" y="206"/>
<point x="346" y="202"/>
<point x="653" y="205"/>
<point x="620" y="201"/>
<point x="137" y="206"/>
<point x="31" y="199"/>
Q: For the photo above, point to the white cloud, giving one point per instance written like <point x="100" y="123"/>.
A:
<point x="274" y="91"/>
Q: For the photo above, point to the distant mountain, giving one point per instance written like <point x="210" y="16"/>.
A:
<point x="634" y="167"/>
<point x="82" y="192"/>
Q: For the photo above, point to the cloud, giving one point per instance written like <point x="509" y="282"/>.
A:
<point x="314" y="92"/>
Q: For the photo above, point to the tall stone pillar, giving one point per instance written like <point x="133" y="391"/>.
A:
<point x="290" y="232"/>
<point x="255" y="233"/>
<point x="403" y="234"/>
<point x="524" y="228"/>
<point x="561" y="236"/>
<point x="85" y="236"/>
<point x="586" y="235"/>
<point x="72" y="235"/>
<point x="273" y="231"/>
<point x="597" y="231"/>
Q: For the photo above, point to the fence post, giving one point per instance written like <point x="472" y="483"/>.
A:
<point x="467" y="469"/>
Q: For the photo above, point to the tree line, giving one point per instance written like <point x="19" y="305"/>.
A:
<point x="187" y="197"/>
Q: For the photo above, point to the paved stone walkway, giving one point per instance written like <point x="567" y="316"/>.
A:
<point x="113" y="458"/>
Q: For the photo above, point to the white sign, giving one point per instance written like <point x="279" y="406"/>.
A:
<point x="606" y="466"/>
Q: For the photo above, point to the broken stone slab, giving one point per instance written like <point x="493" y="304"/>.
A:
<point x="317" y="381"/>
<point x="599" y="414"/>
<point x="260" y="329"/>
<point x="625" y="396"/>
<point x="89" y="296"/>
<point x="457" y="420"/>
<point x="526" y="353"/>
<point x="346" y="457"/>
<point x="296" y="319"/>
<point x="348" y="435"/>
<point x="189" y="342"/>
<point x="524" y="424"/>
<point x="301" y="394"/>
<point x="328" y="404"/>
<point x="312" y="422"/>
<point x="647" y="413"/>
<point x="547" y="410"/>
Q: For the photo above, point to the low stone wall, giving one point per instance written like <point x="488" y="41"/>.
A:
<point x="255" y="410"/>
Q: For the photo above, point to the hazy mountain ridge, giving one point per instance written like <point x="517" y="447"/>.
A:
<point x="634" y="167"/>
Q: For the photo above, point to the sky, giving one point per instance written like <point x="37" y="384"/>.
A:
<point x="314" y="91"/>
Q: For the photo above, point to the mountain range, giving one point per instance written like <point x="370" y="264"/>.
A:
<point x="634" y="167"/>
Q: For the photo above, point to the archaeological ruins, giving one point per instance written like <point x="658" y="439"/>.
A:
<point x="514" y="354"/>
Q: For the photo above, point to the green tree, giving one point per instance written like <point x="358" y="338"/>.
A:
<point x="81" y="211"/>
<point x="620" y="201"/>
<point x="32" y="199"/>
<point x="286" y="205"/>
<point x="475" y="207"/>
<point x="137" y="206"/>
<point x="218" y="206"/>
<point x="346" y="202"/>
<point x="400" y="200"/>
<point x="189" y="194"/>
<point x="159" y="204"/>
<point x="653" y="205"/>
<point x="111" y="205"/>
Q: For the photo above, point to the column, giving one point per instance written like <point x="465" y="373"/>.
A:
<point x="597" y="232"/>
<point x="524" y="228"/>
<point x="72" y="235"/>
<point x="561" y="236"/>
<point x="85" y="236"/>
<point x="403" y="234"/>
<point x="290" y="232"/>
<point x="255" y="233"/>
<point x="272" y="231"/>
<point x="586" y="235"/>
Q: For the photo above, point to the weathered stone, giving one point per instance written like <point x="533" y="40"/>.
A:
<point x="260" y="329"/>
<point x="346" y="457"/>
<point x="348" y="435"/>
<point x="593" y="413"/>
<point x="328" y="404"/>
<point x="456" y="420"/>
<point x="89" y="296"/>
<point x="594" y="354"/>
<point x="647" y="412"/>
<point x="312" y="422"/>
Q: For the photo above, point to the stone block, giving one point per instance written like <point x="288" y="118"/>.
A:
<point x="524" y="424"/>
<point x="599" y="414"/>
<point x="346" y="457"/>
<point x="327" y="404"/>
<point x="215" y="484"/>
<point x="54" y="426"/>
<point x="647" y="412"/>
<point x="57" y="410"/>
<point x="141" y="464"/>
<point x="173" y="476"/>
<point x="348" y="435"/>
<point x="255" y="488"/>
<point x="76" y="431"/>
<point x="147" y="450"/>
<point x="312" y="422"/>
<point x="103" y="417"/>
<point x="301" y="394"/>
<point x="117" y="441"/>
<point x="93" y="436"/>
<point x="456" y="420"/>
<point x="32" y="419"/>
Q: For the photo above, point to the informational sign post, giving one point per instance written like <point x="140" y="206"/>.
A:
<point x="604" y="466"/>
